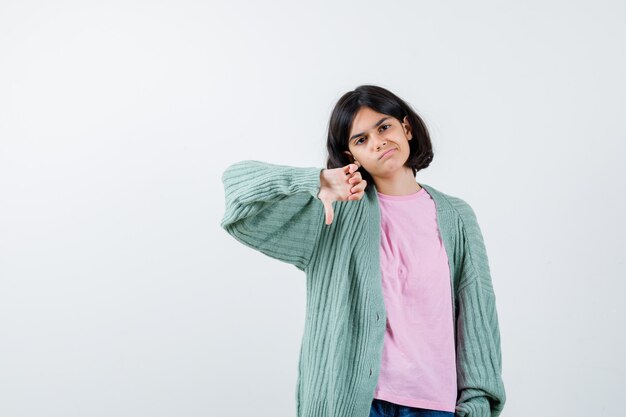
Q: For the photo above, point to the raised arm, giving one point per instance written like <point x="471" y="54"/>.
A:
<point x="274" y="209"/>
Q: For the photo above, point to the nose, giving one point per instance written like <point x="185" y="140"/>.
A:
<point x="378" y="142"/>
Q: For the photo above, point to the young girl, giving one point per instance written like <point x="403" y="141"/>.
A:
<point x="401" y="315"/>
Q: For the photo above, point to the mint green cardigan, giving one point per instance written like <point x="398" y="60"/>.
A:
<point x="274" y="209"/>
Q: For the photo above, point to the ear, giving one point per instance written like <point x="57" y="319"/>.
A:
<point x="351" y="158"/>
<point x="407" y="128"/>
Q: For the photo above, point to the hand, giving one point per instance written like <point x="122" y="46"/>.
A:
<point x="340" y="184"/>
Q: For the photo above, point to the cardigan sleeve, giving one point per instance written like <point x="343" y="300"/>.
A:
<point x="274" y="209"/>
<point x="481" y="391"/>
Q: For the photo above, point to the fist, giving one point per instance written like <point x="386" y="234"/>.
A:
<point x="340" y="184"/>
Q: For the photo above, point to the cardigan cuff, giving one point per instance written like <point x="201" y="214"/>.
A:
<point x="474" y="407"/>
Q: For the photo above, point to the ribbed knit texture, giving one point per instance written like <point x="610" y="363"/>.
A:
<point x="274" y="209"/>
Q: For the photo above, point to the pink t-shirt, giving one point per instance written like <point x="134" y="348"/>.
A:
<point x="418" y="366"/>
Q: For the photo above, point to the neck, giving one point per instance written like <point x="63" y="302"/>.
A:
<point x="400" y="183"/>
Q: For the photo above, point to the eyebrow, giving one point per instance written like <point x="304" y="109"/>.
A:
<point x="376" y="125"/>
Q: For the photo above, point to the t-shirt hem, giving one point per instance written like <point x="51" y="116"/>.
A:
<point x="412" y="402"/>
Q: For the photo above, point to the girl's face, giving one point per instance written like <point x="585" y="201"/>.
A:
<point x="379" y="143"/>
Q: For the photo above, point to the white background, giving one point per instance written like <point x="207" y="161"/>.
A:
<point x="120" y="295"/>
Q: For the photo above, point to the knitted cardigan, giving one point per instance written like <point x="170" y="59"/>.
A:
<point x="274" y="209"/>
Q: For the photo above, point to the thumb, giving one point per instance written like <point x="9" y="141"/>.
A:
<point x="328" y="210"/>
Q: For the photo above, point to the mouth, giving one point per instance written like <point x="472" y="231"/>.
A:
<point x="389" y="152"/>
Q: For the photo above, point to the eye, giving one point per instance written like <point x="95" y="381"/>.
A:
<point x="359" y="140"/>
<point x="385" y="126"/>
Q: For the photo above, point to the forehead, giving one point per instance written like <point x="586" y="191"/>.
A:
<point x="365" y="119"/>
